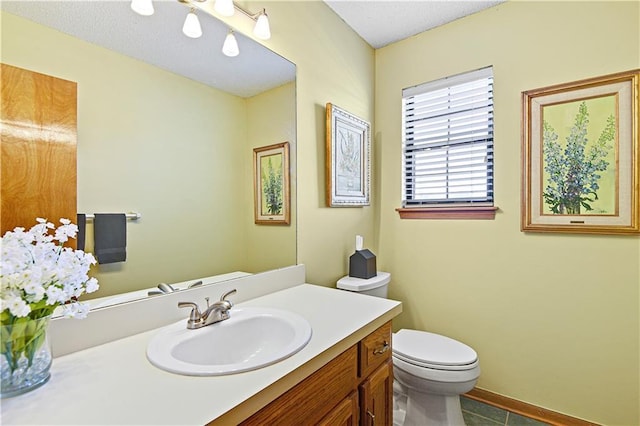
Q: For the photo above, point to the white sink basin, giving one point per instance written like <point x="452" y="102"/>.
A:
<point x="252" y="338"/>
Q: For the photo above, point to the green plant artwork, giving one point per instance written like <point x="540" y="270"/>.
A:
<point x="579" y="147"/>
<point x="272" y="196"/>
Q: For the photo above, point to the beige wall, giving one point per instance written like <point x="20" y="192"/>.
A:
<point x="162" y="145"/>
<point x="333" y="65"/>
<point x="554" y="318"/>
<point x="547" y="313"/>
<point x="270" y="246"/>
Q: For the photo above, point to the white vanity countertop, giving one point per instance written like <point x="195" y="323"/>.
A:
<point x="115" y="384"/>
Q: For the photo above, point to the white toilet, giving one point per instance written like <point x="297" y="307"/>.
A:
<point x="430" y="371"/>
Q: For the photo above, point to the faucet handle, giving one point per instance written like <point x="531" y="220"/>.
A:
<point x="195" y="316"/>
<point x="166" y="288"/>
<point x="224" y="300"/>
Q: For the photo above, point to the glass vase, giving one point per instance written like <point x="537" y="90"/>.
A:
<point x="26" y="355"/>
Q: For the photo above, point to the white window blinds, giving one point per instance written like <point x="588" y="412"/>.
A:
<point x="448" y="141"/>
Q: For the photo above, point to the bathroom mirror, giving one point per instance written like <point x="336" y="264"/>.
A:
<point x="166" y="128"/>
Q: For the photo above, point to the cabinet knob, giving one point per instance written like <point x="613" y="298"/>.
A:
<point x="385" y="347"/>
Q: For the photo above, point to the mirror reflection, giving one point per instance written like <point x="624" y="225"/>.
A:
<point x="166" y="128"/>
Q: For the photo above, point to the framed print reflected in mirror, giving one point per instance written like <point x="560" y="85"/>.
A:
<point x="271" y="184"/>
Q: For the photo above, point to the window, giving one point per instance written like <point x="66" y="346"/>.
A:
<point x="448" y="142"/>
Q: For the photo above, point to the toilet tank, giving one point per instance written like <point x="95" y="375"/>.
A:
<point x="374" y="286"/>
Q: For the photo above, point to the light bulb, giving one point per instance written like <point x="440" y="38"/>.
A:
<point x="230" y="46"/>
<point x="191" y="27"/>
<point x="224" y="7"/>
<point x="262" y="30"/>
<point x="142" y="7"/>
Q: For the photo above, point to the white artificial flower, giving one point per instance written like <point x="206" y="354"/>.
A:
<point x="35" y="290"/>
<point x="54" y="295"/>
<point x="17" y="307"/>
<point x="92" y="285"/>
<point x="75" y="310"/>
<point x="35" y="267"/>
<point x="66" y="231"/>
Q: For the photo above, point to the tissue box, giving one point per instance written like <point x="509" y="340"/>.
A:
<point x="362" y="264"/>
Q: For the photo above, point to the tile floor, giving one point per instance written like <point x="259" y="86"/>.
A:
<point x="478" y="414"/>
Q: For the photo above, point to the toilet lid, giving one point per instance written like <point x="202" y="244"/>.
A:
<point x="432" y="350"/>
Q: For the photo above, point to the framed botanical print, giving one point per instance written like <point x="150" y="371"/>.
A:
<point x="271" y="184"/>
<point x="348" y="149"/>
<point x="580" y="156"/>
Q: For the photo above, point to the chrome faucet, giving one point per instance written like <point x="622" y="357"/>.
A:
<point x="168" y="288"/>
<point x="162" y="289"/>
<point x="219" y="311"/>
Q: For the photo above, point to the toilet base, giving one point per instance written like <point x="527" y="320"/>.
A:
<point x="415" y="408"/>
<point x="399" y="404"/>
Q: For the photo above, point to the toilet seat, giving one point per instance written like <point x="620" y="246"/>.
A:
<point x="403" y="369"/>
<point x="430" y="350"/>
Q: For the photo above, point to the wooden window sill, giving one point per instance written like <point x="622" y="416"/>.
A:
<point x="475" y="212"/>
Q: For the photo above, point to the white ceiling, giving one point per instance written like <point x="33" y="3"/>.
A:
<point x="158" y="39"/>
<point x="383" y="22"/>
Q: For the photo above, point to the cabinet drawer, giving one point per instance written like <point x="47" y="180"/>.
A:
<point x="374" y="349"/>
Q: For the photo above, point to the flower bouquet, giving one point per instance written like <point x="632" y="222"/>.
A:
<point x="37" y="275"/>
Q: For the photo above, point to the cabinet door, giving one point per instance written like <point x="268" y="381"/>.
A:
<point x="376" y="397"/>
<point x="307" y="403"/>
<point x="344" y="414"/>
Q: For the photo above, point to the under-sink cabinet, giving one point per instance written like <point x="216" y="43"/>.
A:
<point x="356" y="387"/>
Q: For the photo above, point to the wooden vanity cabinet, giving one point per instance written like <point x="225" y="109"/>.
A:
<point x="355" y="388"/>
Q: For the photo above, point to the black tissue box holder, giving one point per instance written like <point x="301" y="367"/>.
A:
<point x="362" y="264"/>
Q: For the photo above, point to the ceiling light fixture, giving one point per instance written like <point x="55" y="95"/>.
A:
<point x="142" y="7"/>
<point x="230" y="46"/>
<point x="224" y="7"/>
<point x="262" y="29"/>
<point x="191" y="27"/>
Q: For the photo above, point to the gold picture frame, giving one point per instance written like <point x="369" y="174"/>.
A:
<point x="580" y="171"/>
<point x="348" y="158"/>
<point x="271" y="187"/>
